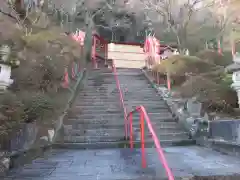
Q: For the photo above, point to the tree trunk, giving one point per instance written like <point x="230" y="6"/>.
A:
<point x="87" y="51"/>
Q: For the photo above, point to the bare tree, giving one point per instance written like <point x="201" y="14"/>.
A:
<point x="87" y="11"/>
<point x="183" y="19"/>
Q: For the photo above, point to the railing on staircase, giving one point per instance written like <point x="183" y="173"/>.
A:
<point x="145" y="118"/>
<point x="121" y="98"/>
<point x="129" y="126"/>
<point x="128" y="116"/>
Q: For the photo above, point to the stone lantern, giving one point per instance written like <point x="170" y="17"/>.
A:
<point x="5" y="67"/>
<point x="235" y="70"/>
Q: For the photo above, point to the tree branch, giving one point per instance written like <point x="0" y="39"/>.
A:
<point x="8" y="14"/>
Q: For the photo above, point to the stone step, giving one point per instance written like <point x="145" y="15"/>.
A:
<point x="99" y="73"/>
<point x="90" y="101"/>
<point x="102" y="85"/>
<point x="100" y="81"/>
<point x="130" y="74"/>
<point x="161" y="109"/>
<point x="159" y="128"/>
<point x="162" y="136"/>
<point x="98" y="94"/>
<point x="166" y="117"/>
<point x="98" y="84"/>
<point x="142" y="98"/>
<point x="105" y="109"/>
<point x="158" y="120"/>
<point x="114" y="116"/>
<point x="119" y="125"/>
<point x="117" y="137"/>
<point x="110" y="98"/>
<point x="105" y="94"/>
<point x="90" y="115"/>
<point x="99" y="111"/>
<point x="96" y="104"/>
<point x="102" y="71"/>
<point x="98" y="90"/>
<point x="155" y="116"/>
<point x="85" y="113"/>
<point x="156" y="101"/>
<point x="158" y="104"/>
<point x="91" y="118"/>
<point x="85" y="131"/>
<point x="122" y="144"/>
<point x="93" y="139"/>
<point x="156" y="113"/>
<point x="135" y="83"/>
<point x="81" y="128"/>
<point x="113" y="123"/>
<point x="97" y="108"/>
<point x="101" y="77"/>
<point x="146" y="92"/>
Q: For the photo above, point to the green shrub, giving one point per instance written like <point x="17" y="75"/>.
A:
<point x="25" y="107"/>
<point x="11" y="112"/>
<point x="36" y="106"/>
<point x="216" y="96"/>
<point x="180" y="65"/>
<point x="215" y="58"/>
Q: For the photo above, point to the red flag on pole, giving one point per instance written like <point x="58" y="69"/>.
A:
<point x="73" y="71"/>
<point x="219" y="47"/>
<point x="233" y="49"/>
<point x="66" y="79"/>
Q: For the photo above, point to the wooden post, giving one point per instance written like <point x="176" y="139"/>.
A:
<point x="144" y="165"/>
<point x="233" y="49"/>
<point x="131" y="131"/>
<point x="94" y="53"/>
<point x="158" y="81"/>
<point x="168" y="81"/>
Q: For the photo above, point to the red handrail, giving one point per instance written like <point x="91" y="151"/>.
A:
<point x="144" y="116"/>
<point x="121" y="98"/>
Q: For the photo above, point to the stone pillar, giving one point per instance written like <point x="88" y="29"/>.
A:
<point x="5" y="76"/>
<point x="236" y="84"/>
<point x="5" y="69"/>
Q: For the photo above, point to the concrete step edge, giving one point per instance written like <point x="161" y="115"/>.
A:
<point x="121" y="144"/>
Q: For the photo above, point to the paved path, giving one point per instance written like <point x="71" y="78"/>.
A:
<point x="124" y="164"/>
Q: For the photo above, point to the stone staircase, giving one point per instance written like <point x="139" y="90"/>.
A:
<point x="95" y="119"/>
<point x="95" y="122"/>
<point x="137" y="91"/>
